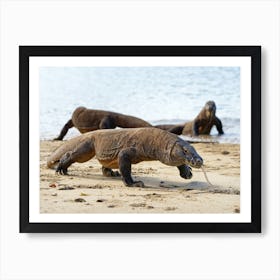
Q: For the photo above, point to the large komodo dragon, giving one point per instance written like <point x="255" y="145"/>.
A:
<point x="86" y="120"/>
<point x="122" y="147"/>
<point x="202" y="124"/>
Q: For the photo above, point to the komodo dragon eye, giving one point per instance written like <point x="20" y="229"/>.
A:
<point x="187" y="151"/>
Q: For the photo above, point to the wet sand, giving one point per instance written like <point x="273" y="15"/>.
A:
<point x="86" y="190"/>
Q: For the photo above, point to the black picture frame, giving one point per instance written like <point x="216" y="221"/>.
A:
<point x="254" y="52"/>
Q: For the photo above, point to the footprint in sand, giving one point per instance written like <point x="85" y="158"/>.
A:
<point x="138" y="205"/>
<point x="80" y="200"/>
<point x="152" y="195"/>
<point x="66" y="188"/>
<point x="170" y="208"/>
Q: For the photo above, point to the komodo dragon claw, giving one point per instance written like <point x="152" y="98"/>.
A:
<point x="137" y="184"/>
<point x="61" y="170"/>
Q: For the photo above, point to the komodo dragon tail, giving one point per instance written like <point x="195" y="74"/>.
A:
<point x="77" y="149"/>
<point x="64" y="130"/>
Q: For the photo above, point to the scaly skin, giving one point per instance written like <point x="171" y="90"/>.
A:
<point x="122" y="147"/>
<point x="202" y="124"/>
<point x="86" y="120"/>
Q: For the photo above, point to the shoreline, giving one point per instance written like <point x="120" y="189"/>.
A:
<point x="86" y="190"/>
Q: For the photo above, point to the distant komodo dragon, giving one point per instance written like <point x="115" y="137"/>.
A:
<point x="86" y="120"/>
<point x="202" y="124"/>
<point x="122" y="147"/>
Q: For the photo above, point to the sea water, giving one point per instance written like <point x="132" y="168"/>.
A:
<point x="159" y="95"/>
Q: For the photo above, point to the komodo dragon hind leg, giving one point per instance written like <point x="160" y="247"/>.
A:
<point x="82" y="153"/>
<point x="64" y="130"/>
<point x="126" y="157"/>
<point x="108" y="172"/>
<point x="185" y="171"/>
<point x="106" y="123"/>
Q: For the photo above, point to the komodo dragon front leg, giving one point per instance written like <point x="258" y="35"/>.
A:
<point x="185" y="171"/>
<point x="81" y="153"/>
<point x="125" y="158"/>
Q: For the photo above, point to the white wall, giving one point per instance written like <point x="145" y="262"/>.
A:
<point x="135" y="256"/>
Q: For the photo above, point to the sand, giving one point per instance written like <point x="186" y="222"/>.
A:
<point x="86" y="190"/>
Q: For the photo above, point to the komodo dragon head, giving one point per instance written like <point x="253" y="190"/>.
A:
<point x="210" y="109"/>
<point x="183" y="153"/>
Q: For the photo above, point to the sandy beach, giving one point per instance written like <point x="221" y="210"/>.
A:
<point x="86" y="190"/>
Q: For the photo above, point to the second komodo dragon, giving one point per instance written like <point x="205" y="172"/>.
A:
<point x="122" y="147"/>
<point x="86" y="120"/>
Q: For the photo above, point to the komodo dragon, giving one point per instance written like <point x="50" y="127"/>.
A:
<point x="122" y="147"/>
<point x="202" y="124"/>
<point x="86" y="120"/>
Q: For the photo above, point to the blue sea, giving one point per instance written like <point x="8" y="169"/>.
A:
<point x="159" y="95"/>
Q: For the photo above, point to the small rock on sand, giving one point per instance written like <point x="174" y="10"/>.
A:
<point x="52" y="185"/>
